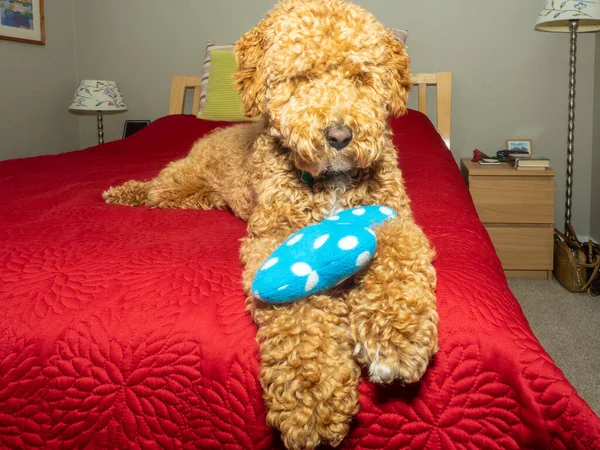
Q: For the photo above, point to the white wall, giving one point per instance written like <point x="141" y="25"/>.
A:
<point x="36" y="86"/>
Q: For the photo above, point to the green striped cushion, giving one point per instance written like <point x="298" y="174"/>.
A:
<point x="210" y="45"/>
<point x="222" y="100"/>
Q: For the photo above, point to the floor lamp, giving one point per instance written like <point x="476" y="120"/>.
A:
<point x="98" y="96"/>
<point x="571" y="16"/>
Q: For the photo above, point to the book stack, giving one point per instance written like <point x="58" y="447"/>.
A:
<point x="529" y="162"/>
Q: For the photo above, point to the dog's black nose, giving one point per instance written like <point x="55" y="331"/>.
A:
<point x="338" y="136"/>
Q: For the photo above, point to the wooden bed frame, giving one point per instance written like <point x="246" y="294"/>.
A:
<point x="442" y="80"/>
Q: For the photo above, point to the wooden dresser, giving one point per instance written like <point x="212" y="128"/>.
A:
<point x="517" y="209"/>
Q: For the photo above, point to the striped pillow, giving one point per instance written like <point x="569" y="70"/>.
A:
<point x="210" y="45"/>
<point x="401" y="35"/>
<point x="222" y="100"/>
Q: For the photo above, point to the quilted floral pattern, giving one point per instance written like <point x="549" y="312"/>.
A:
<point x="126" y="328"/>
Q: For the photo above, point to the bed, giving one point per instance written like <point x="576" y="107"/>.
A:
<point x="125" y="327"/>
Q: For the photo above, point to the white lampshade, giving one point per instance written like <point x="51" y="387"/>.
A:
<point x="556" y="14"/>
<point x="98" y="95"/>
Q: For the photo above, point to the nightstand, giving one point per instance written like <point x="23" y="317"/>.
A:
<point x="517" y="209"/>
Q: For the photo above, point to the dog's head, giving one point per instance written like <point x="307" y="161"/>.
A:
<point x="326" y="74"/>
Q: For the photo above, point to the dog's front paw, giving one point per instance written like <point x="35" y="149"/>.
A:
<point x="395" y="351"/>
<point x="313" y="408"/>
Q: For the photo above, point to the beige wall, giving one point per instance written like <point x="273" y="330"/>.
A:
<point x="595" y="203"/>
<point x="36" y="85"/>
<point x="141" y="44"/>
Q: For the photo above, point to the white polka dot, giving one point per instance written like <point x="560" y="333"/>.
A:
<point x="348" y="243"/>
<point x="301" y="269"/>
<point x="320" y="241"/>
<point x="283" y="287"/>
<point x="359" y="211"/>
<point x="387" y="211"/>
<point x="255" y="293"/>
<point x="333" y="218"/>
<point x="311" y="281"/>
<point x="363" y="258"/>
<point x="294" y="240"/>
<point x="270" y="263"/>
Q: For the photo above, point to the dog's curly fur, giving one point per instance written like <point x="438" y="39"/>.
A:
<point x="310" y="65"/>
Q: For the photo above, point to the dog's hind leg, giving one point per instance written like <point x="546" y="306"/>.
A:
<point x="179" y="185"/>
<point x="132" y="193"/>
<point x="183" y="185"/>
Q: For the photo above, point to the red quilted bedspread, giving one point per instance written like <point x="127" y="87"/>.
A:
<point x="125" y="327"/>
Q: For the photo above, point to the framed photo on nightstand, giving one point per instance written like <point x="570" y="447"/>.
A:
<point x="519" y="146"/>
<point x="133" y="126"/>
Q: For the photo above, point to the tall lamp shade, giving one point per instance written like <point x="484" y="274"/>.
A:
<point x="557" y="15"/>
<point x="570" y="16"/>
<point x="99" y="96"/>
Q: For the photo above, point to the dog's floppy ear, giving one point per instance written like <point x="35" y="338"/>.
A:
<point x="250" y="77"/>
<point x="399" y="71"/>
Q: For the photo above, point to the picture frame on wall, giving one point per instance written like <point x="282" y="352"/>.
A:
<point x="519" y="146"/>
<point x="22" y="21"/>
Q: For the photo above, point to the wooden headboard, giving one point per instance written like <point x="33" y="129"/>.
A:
<point x="442" y="81"/>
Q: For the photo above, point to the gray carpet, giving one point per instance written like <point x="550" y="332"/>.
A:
<point x="568" y="327"/>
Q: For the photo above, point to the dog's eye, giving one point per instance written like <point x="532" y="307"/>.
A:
<point x="297" y="79"/>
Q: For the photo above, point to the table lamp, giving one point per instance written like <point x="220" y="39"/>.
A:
<point x="99" y="96"/>
<point x="570" y="17"/>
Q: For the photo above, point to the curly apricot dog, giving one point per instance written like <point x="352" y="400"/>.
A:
<point x="325" y="76"/>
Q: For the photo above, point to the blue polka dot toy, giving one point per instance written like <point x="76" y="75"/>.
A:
<point x="320" y="256"/>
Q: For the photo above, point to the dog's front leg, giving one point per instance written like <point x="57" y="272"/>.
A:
<point x="308" y="374"/>
<point x="393" y="317"/>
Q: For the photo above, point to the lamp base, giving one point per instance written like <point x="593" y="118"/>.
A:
<point x="574" y="24"/>
<point x="100" y="128"/>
